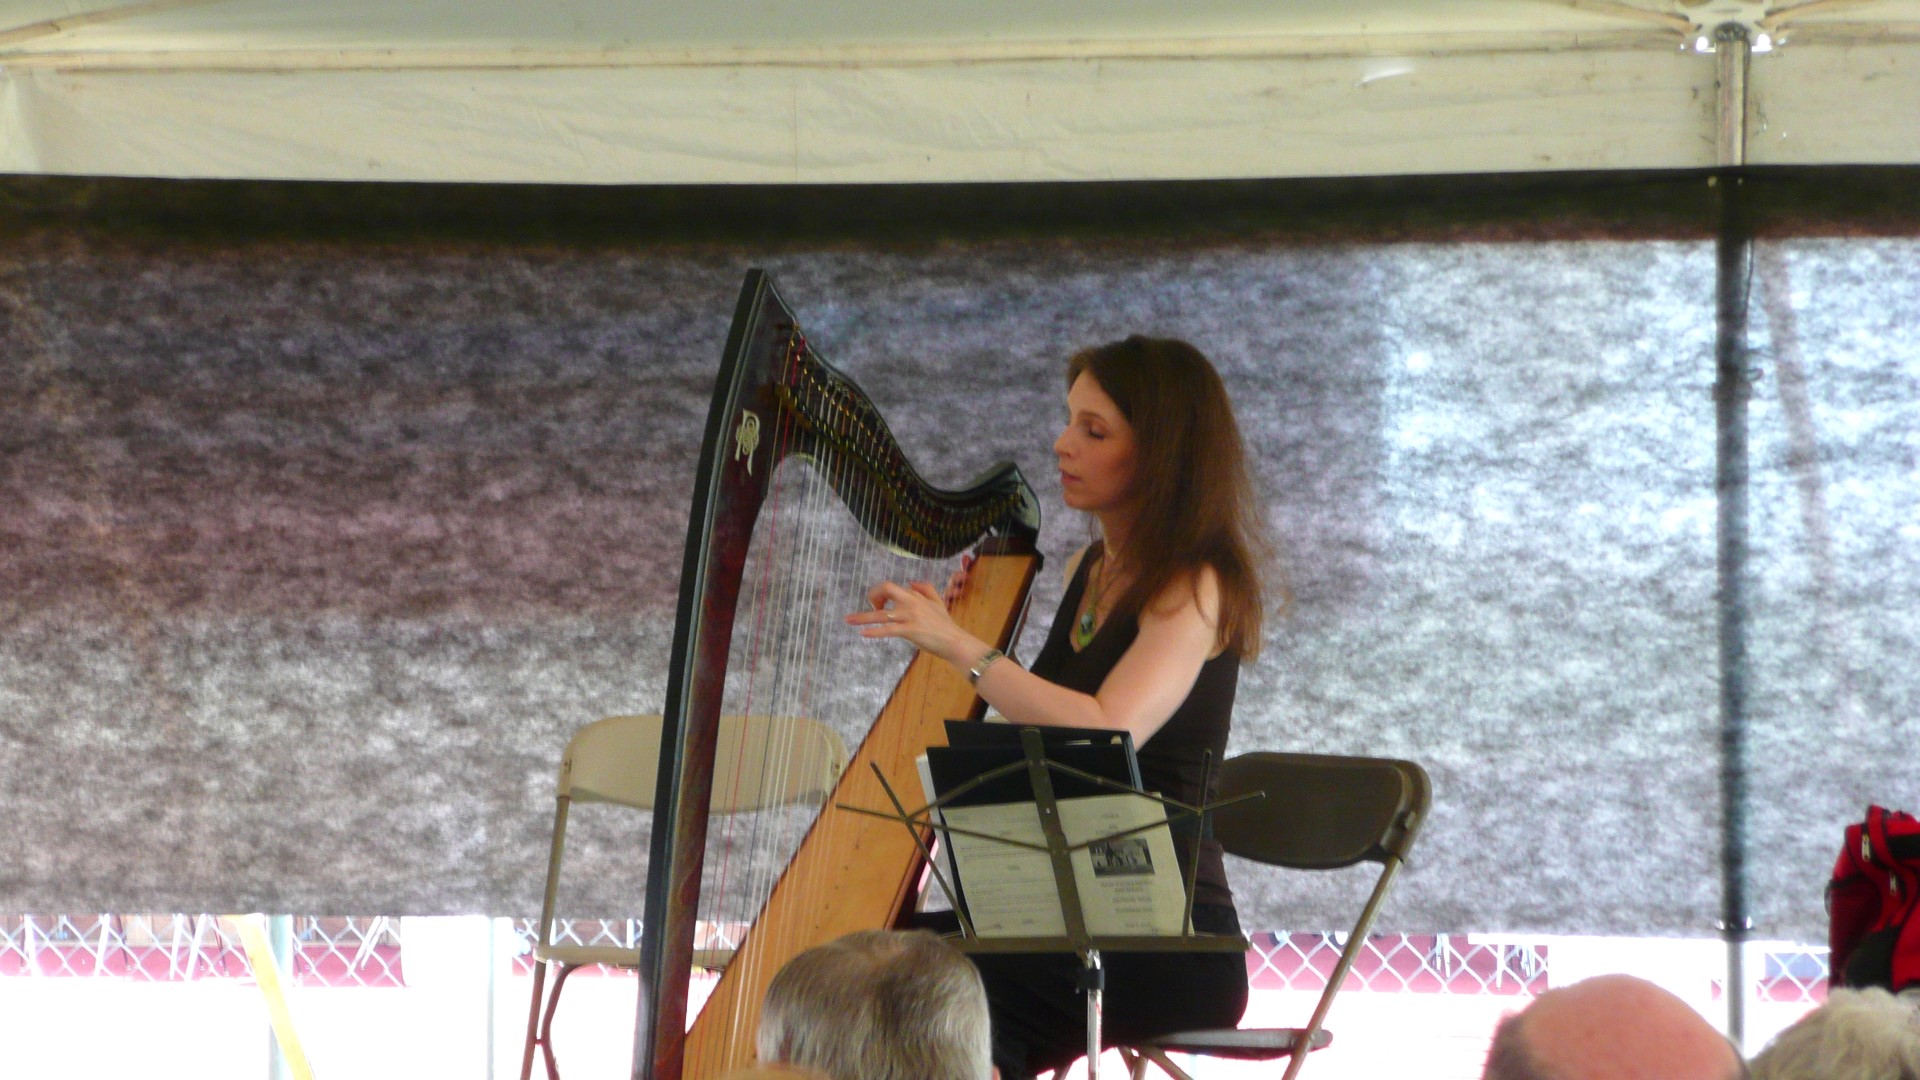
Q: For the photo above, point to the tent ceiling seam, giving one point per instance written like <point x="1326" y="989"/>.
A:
<point x="1851" y="33"/>
<point x="1780" y="16"/>
<point x="51" y="27"/>
<point x="841" y="56"/>
<point x="1621" y="10"/>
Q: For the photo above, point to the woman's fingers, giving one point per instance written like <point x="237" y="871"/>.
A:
<point x="958" y="579"/>
<point x="885" y="615"/>
<point x="873" y="617"/>
<point x="916" y="612"/>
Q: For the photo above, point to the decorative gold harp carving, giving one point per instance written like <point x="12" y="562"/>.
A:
<point x="777" y="402"/>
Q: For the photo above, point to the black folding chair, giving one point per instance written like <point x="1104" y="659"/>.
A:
<point x="1320" y="812"/>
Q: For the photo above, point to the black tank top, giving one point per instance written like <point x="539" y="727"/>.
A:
<point x="1171" y="761"/>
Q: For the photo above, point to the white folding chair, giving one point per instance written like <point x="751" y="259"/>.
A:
<point x="782" y="760"/>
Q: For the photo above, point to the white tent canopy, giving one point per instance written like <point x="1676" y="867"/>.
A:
<point x="842" y="91"/>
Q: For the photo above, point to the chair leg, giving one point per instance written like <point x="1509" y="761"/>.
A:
<point x="540" y="1027"/>
<point x="1159" y="1057"/>
<point x="1135" y="1059"/>
<point x="1348" y="952"/>
<point x="1298" y="1059"/>
<point x="546" y="1027"/>
<point x="533" y="1021"/>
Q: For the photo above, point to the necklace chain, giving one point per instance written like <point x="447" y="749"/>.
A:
<point x="1089" y="621"/>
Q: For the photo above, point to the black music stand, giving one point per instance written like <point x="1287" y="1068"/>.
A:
<point x="1040" y="771"/>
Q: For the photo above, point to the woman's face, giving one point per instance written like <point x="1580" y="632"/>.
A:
<point x="1097" y="452"/>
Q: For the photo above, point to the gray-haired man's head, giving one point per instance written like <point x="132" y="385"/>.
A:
<point x="879" y="1005"/>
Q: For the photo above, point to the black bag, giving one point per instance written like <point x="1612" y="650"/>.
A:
<point x="1873" y="931"/>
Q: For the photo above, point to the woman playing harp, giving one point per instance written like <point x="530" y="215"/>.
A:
<point x="1158" y="613"/>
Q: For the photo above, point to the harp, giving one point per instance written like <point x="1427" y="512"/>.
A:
<point x="778" y="408"/>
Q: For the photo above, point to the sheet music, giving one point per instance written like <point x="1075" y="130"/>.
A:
<point x="1128" y="886"/>
<point x="936" y="898"/>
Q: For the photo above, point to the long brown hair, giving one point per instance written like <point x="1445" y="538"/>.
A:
<point x="1195" y="498"/>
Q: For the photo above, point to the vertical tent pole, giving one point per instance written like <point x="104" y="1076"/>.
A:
<point x="1732" y="390"/>
<point x="280" y="940"/>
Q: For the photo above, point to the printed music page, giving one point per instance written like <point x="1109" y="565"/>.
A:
<point x="935" y="897"/>
<point x="1129" y="885"/>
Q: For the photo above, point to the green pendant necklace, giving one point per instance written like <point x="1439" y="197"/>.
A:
<point x="1090" y="618"/>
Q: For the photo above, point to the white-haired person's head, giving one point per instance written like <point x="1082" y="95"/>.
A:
<point x="879" y="1005"/>
<point x="1865" y="1034"/>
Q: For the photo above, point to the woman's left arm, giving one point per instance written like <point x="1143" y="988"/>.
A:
<point x="1178" y="634"/>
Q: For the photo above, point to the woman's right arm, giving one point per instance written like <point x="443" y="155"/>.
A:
<point x="1178" y="631"/>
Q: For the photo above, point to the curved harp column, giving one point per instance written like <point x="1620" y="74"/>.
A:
<point x="777" y="402"/>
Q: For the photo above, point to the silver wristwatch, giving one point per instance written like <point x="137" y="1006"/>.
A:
<point x="981" y="665"/>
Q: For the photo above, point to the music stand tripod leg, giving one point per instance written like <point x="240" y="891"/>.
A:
<point x="1094" y="979"/>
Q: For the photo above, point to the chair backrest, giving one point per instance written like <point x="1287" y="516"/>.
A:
<point x="761" y="761"/>
<point x="1321" y="811"/>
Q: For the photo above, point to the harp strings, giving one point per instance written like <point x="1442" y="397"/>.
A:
<point x="811" y="562"/>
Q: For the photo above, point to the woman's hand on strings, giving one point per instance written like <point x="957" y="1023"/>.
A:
<point x="917" y="613"/>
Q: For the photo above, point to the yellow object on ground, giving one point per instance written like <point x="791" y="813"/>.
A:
<point x="266" y="974"/>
